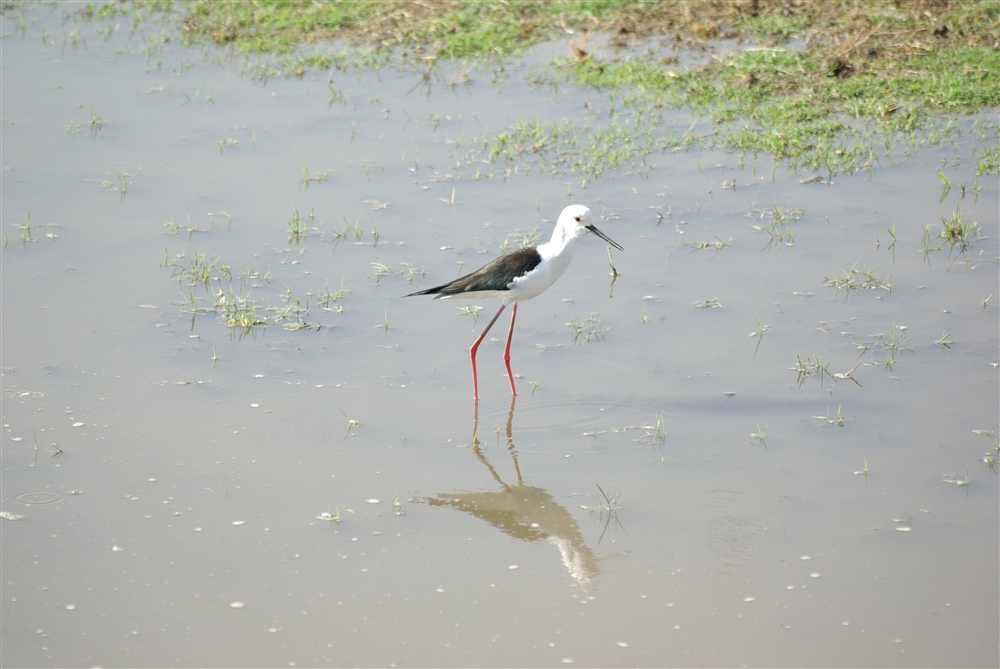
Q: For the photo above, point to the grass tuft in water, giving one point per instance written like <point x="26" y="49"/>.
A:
<point x="305" y="177"/>
<point x="657" y="433"/>
<point x="831" y="419"/>
<point x="470" y="310"/>
<point x="120" y="186"/>
<point x="958" y="232"/>
<point x="777" y="223"/>
<point x="609" y="510"/>
<point x="760" y="436"/>
<point x="588" y="330"/>
<point x="894" y="345"/>
<point x="716" y="245"/>
<point x="759" y="334"/>
<point x="331" y="300"/>
<point x="863" y="278"/>
<point x="863" y="472"/>
<point x="810" y="366"/>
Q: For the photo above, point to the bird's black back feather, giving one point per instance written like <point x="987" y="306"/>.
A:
<point x="494" y="275"/>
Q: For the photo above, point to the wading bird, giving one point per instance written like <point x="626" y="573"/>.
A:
<point x="520" y="275"/>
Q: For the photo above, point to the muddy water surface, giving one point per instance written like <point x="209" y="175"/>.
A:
<point x="320" y="489"/>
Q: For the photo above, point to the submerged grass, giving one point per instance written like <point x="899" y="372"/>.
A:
<point x="588" y="330"/>
<point x="957" y="233"/>
<point x="859" y="278"/>
<point x="236" y="297"/>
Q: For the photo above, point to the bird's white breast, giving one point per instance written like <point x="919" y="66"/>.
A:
<point x="538" y="280"/>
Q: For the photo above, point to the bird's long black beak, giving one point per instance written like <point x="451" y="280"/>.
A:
<point x="593" y="228"/>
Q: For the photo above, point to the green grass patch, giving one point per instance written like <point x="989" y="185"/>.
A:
<point x="832" y="84"/>
<point x="278" y="26"/>
<point x="793" y="104"/>
<point x="443" y="28"/>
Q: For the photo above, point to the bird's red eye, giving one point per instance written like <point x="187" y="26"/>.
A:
<point x="577" y="218"/>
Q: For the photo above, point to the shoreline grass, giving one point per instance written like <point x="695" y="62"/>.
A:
<point x="840" y="85"/>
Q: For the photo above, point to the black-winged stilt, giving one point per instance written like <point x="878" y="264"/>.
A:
<point x="519" y="276"/>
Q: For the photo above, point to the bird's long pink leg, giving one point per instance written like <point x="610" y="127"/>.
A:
<point x="506" y="350"/>
<point x="475" y="347"/>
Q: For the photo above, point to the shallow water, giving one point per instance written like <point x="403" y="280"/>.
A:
<point x="191" y="496"/>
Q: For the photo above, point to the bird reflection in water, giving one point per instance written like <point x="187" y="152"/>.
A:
<point x="525" y="512"/>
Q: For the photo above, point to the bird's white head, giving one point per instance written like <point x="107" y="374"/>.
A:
<point x="574" y="223"/>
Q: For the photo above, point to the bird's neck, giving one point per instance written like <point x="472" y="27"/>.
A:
<point x="562" y="243"/>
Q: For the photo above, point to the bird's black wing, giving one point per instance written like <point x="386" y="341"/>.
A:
<point x="494" y="275"/>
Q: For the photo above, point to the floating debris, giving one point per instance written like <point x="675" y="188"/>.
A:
<point x="954" y="479"/>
